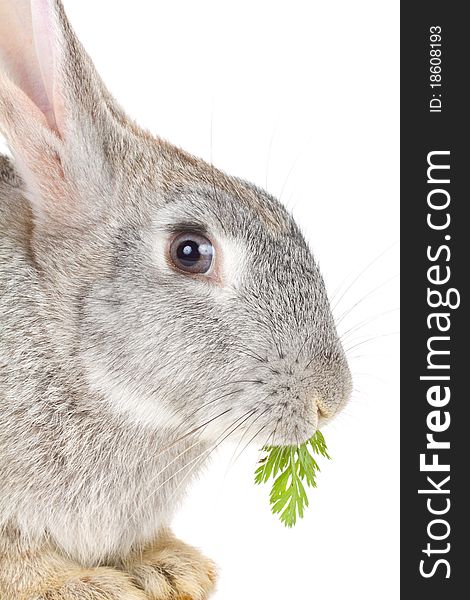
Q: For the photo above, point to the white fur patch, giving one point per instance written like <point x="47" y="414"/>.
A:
<point x="130" y="403"/>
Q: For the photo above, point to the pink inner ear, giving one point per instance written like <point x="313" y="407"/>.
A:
<point x="46" y="39"/>
<point x="26" y="50"/>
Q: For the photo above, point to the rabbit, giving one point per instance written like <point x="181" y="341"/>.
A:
<point x="151" y="306"/>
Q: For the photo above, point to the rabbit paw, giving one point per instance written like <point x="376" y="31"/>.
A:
<point x="90" y="584"/>
<point x="172" y="570"/>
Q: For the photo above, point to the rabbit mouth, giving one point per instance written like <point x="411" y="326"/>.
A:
<point x="301" y="401"/>
<point x="294" y="397"/>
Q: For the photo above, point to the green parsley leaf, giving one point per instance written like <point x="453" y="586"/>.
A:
<point x="291" y="467"/>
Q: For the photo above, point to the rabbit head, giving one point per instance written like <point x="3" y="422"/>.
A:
<point x="178" y="295"/>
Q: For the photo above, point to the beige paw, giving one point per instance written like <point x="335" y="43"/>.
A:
<point x="90" y="584"/>
<point x="172" y="570"/>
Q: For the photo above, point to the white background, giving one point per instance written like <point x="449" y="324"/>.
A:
<point x="301" y="98"/>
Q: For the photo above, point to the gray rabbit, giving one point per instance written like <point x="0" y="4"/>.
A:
<point x="151" y="307"/>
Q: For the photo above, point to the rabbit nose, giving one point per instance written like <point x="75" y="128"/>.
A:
<point x="322" y="410"/>
<point x="328" y="387"/>
<point x="333" y="396"/>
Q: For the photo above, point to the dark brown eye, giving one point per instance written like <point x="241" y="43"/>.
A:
<point x="191" y="253"/>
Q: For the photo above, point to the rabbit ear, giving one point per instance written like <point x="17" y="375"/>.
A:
<point x="33" y="50"/>
<point x="18" y="51"/>
<point x="53" y="105"/>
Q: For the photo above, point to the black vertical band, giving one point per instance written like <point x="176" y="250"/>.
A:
<point x="435" y="198"/>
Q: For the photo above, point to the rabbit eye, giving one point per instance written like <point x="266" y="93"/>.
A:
<point x="191" y="253"/>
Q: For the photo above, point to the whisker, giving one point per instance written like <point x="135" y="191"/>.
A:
<point x="186" y="465"/>
<point x="190" y="433"/>
<point x="246" y="431"/>
<point x="180" y="410"/>
<point x="291" y="170"/>
<point x="371" y="339"/>
<point x="277" y="344"/>
<point x="317" y="354"/>
<point x="345" y="314"/>
<point x="309" y="337"/>
<point x="365" y="322"/>
<point x="268" y="159"/>
<point x="206" y="423"/>
<point x="366" y="268"/>
<point x="259" y="432"/>
<point x="210" y="451"/>
<point x="250" y="354"/>
<point x="217" y="399"/>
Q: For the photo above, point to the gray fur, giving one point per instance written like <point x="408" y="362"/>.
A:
<point x="108" y="357"/>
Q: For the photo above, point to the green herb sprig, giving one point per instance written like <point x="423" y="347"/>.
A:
<point x="291" y="467"/>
